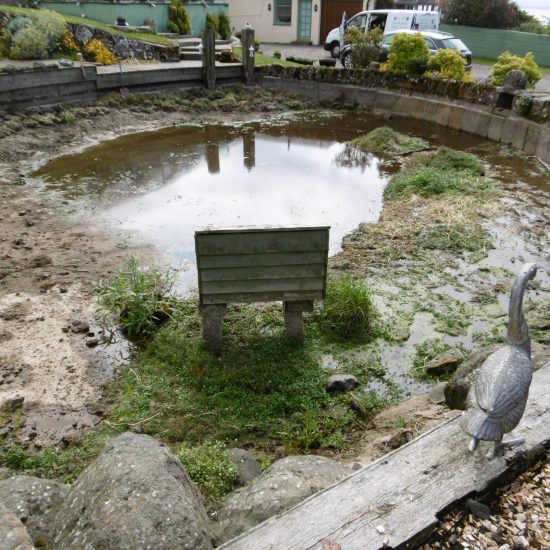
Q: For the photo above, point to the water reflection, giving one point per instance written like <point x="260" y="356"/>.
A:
<point x="166" y="184"/>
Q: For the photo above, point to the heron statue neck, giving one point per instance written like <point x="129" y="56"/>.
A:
<point x="518" y="331"/>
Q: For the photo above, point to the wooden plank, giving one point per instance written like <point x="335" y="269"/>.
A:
<point x="263" y="273"/>
<point x="265" y="242"/>
<point x="275" y="285"/>
<point x="404" y="490"/>
<point x="251" y="297"/>
<point x="253" y="260"/>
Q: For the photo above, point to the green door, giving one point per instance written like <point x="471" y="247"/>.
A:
<point x="304" y="20"/>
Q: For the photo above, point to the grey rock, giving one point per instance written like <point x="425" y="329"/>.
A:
<point x="445" y="362"/>
<point x="247" y="465"/>
<point x="400" y="438"/>
<point x="34" y="501"/>
<point x="478" y="509"/>
<point x="280" y="487"/>
<point x="136" y="494"/>
<point x="437" y="394"/>
<point x="342" y="382"/>
<point x="13" y="534"/>
<point x="514" y="80"/>
<point x="5" y="473"/>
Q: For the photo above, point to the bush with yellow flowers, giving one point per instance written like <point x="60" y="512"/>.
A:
<point x="68" y="43"/>
<point x="96" y="51"/>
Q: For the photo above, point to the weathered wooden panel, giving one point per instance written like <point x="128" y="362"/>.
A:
<point x="252" y="264"/>
<point x="256" y="260"/>
<point x="262" y="273"/>
<point x="251" y="297"/>
<point x="268" y="285"/>
<point x="255" y="242"/>
<point x="389" y="502"/>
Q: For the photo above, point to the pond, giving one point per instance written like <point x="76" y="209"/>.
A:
<point x="288" y="171"/>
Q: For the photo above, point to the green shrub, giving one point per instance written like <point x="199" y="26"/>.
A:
<point x="448" y="64"/>
<point x="348" y="310"/>
<point x="178" y="18"/>
<point x="224" y="26"/>
<point x="137" y="298"/>
<point x="385" y="140"/>
<point x="366" y="46"/>
<point x="34" y="37"/>
<point x="524" y="104"/>
<point x="29" y="43"/>
<point x="506" y="62"/>
<point x="210" y="467"/>
<point x="409" y="55"/>
<point x="212" y="22"/>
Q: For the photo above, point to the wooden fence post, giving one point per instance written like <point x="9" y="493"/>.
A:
<point x="247" y="41"/>
<point x="209" y="58"/>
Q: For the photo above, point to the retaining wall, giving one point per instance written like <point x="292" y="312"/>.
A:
<point x="482" y="120"/>
<point x="58" y="85"/>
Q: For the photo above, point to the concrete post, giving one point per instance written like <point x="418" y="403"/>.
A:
<point x="294" y="322"/>
<point x="209" y="58"/>
<point x="247" y="41"/>
<point x="212" y="316"/>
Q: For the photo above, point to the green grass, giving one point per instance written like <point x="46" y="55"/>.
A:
<point x="261" y="59"/>
<point x="385" y="140"/>
<point x="457" y="238"/>
<point x="442" y="172"/>
<point x="143" y="37"/>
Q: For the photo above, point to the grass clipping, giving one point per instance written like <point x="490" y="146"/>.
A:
<point x="387" y="141"/>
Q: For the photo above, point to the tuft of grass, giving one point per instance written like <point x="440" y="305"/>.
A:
<point x="137" y="299"/>
<point x="67" y="117"/>
<point x="386" y="141"/>
<point x="210" y="467"/>
<point x="348" y="311"/>
<point x="451" y="159"/>
<point x="261" y="59"/>
<point x="431" y="182"/>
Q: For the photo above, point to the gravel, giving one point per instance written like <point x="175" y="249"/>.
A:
<point x="520" y="518"/>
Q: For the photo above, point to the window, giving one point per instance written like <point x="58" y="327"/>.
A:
<point x="282" y="13"/>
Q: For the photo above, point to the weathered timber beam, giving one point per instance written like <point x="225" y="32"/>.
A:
<point x="398" y="496"/>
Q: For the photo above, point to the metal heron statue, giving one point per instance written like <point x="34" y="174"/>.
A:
<point x="497" y="399"/>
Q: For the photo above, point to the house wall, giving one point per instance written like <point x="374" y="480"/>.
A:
<point x="260" y="18"/>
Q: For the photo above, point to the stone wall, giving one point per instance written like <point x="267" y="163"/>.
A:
<point x="483" y="120"/>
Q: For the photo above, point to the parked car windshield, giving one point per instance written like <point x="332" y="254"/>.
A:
<point x="454" y="44"/>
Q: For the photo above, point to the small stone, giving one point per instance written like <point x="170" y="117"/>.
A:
<point x="380" y="529"/>
<point x="12" y="403"/>
<point x="478" y="509"/>
<point x="40" y="260"/>
<point x="342" y="382"/>
<point x="445" y="362"/>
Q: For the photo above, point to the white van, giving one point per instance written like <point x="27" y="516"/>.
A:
<point x="387" y="20"/>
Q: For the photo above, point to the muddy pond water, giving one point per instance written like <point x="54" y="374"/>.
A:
<point x="163" y="185"/>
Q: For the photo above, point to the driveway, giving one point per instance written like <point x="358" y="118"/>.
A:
<point x="317" y="52"/>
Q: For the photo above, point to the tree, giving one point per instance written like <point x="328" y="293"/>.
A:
<point x="491" y="14"/>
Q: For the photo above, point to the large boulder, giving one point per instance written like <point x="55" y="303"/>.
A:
<point x="12" y="532"/>
<point x="35" y="502"/>
<point x="280" y="487"/>
<point x="136" y="494"/>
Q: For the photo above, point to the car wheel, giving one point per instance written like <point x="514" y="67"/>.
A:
<point x="347" y="62"/>
<point x="335" y="49"/>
